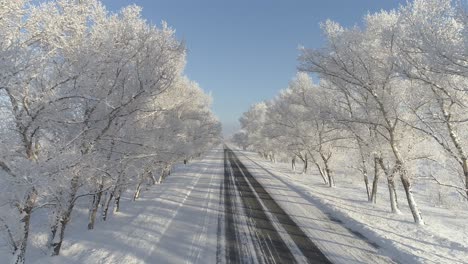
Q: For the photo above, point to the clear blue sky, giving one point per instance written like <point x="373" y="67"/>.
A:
<point x="245" y="51"/>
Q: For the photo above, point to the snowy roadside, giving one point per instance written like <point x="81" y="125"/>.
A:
<point x="442" y="240"/>
<point x="175" y="222"/>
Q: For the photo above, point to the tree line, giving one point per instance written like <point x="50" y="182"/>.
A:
<point x="391" y="96"/>
<point x="92" y="104"/>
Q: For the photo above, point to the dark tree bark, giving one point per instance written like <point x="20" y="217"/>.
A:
<point x="391" y="186"/>
<point x="95" y="205"/>
<point x="375" y="182"/>
<point x="19" y="255"/>
<point x="65" y="218"/>
<point x="106" y="207"/>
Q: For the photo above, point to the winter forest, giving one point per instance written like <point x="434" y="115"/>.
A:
<point x="388" y="100"/>
<point x="95" y="106"/>
<point x="92" y="104"/>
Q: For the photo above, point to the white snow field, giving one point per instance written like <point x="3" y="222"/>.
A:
<point x="175" y="222"/>
<point x="444" y="238"/>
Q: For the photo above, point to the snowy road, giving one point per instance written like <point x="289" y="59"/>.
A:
<point x="257" y="229"/>
<point x="202" y="215"/>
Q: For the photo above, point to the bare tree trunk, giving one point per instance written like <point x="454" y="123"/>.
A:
<point x="11" y="241"/>
<point x="104" y="200"/>
<point x="136" y="195"/>
<point x="366" y="182"/>
<point x="406" y="185"/>
<point x="293" y="164"/>
<point x="328" y="172"/>
<point x="54" y="226"/>
<point x="366" y="177"/>
<point x="409" y="196"/>
<point x="161" y="176"/>
<point x="117" y="200"/>
<point x="95" y="205"/>
<point x="391" y="187"/>
<point x="146" y="175"/>
<point x="117" y="192"/>
<point x="106" y="207"/>
<point x="457" y="143"/>
<point x="58" y="237"/>
<point x="364" y="168"/>
<point x="164" y="173"/>
<point x="375" y="182"/>
<point x="465" y="172"/>
<point x="306" y="164"/>
<point x="321" y="172"/>
<point x="393" y="195"/>
<point x="65" y="217"/>
<point x="331" y="179"/>
<point x="152" y="178"/>
<point x="19" y="255"/>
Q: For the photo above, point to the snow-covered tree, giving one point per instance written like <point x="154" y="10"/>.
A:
<point x="240" y="139"/>
<point x="433" y="45"/>
<point x="252" y="122"/>
<point x="300" y="118"/>
<point x="362" y="64"/>
<point x="91" y="103"/>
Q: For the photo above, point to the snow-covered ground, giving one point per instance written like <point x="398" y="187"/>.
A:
<point x="175" y="222"/>
<point x="444" y="238"/>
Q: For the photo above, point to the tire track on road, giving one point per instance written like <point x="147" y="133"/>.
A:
<point x="259" y="208"/>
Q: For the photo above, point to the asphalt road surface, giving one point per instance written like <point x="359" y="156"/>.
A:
<point x="255" y="227"/>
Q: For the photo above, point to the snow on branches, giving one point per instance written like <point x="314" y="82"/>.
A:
<point x="91" y="103"/>
<point x="392" y="94"/>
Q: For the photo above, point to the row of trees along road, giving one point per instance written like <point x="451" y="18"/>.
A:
<point x="392" y="93"/>
<point x="92" y="104"/>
